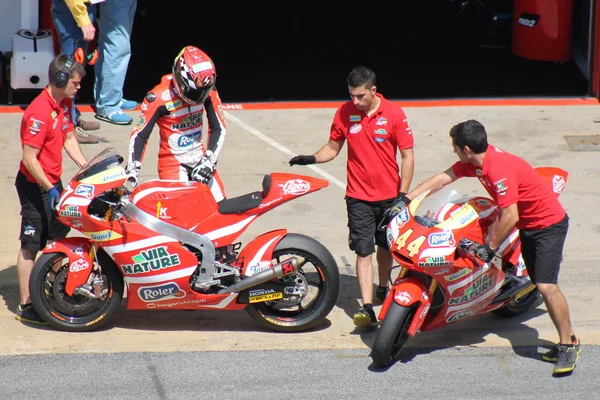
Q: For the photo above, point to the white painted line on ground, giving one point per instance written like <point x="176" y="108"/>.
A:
<point x="282" y="148"/>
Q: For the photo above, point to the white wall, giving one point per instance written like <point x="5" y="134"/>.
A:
<point x="15" y="15"/>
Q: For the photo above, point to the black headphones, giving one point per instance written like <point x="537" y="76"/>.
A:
<point x="62" y="76"/>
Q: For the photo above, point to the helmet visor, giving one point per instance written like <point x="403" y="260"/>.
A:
<point x="197" y="95"/>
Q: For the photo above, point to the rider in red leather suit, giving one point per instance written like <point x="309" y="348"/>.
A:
<point x="177" y="105"/>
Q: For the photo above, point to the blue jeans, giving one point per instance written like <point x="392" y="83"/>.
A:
<point x="69" y="34"/>
<point x="115" y="22"/>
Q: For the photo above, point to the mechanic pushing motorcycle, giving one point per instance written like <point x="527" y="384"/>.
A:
<point x="177" y="104"/>
<point x="526" y="202"/>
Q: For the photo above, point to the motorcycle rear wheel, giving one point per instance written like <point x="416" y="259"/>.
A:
<point x="513" y="308"/>
<point x="75" y="313"/>
<point x="392" y="334"/>
<point x="275" y="315"/>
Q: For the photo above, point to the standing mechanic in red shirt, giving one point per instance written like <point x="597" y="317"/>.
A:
<point x="46" y="127"/>
<point x="177" y="105"/>
<point x="526" y="202"/>
<point x="374" y="128"/>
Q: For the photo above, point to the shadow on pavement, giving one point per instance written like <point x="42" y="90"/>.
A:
<point x="193" y="320"/>
<point x="9" y="290"/>
<point x="524" y="340"/>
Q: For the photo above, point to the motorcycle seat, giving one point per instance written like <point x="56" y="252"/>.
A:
<point x="247" y="201"/>
<point x="240" y="204"/>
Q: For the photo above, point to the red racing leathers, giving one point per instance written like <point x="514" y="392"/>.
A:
<point x="180" y="127"/>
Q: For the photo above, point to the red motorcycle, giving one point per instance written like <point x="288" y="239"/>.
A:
<point x="174" y="247"/>
<point x="440" y="280"/>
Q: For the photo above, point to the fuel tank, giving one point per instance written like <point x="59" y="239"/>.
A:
<point x="185" y="204"/>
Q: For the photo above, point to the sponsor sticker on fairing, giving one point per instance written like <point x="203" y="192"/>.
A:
<point x="296" y="187"/>
<point x="164" y="291"/>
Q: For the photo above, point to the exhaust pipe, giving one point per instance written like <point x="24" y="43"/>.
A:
<point x="289" y="266"/>
<point x="520" y="284"/>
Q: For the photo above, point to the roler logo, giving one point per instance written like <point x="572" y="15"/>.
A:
<point x="188" y="140"/>
<point x="165" y="291"/>
<point x="441" y="239"/>
<point x="85" y="191"/>
<point x="296" y="187"/>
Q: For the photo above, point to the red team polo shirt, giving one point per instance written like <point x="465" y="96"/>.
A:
<point x="372" y="172"/>
<point x="509" y="180"/>
<point x="45" y="126"/>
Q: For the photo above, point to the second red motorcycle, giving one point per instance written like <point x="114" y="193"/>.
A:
<point x="440" y="280"/>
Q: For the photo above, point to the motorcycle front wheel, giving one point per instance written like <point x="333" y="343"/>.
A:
<point x="318" y="280"/>
<point x="392" y="334"/>
<point x="77" y="313"/>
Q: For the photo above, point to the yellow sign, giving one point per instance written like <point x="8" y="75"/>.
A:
<point x="110" y="175"/>
<point x="460" y="219"/>
<point x="103" y="236"/>
<point x="266" y="297"/>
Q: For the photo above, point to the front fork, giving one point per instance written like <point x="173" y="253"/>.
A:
<point x="407" y="292"/>
<point x="95" y="287"/>
<point x="81" y="279"/>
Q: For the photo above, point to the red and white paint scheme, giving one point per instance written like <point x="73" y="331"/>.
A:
<point x="440" y="280"/>
<point x="174" y="247"/>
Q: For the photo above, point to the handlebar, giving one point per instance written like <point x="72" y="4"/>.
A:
<point x="122" y="211"/>
<point x="189" y="170"/>
<point x="468" y="246"/>
<point x="385" y="220"/>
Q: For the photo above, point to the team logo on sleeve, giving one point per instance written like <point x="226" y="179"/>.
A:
<point x="501" y="187"/>
<point x="356" y="128"/>
<point x="167" y="95"/>
<point x="35" y="126"/>
<point x="558" y="183"/>
<point x="140" y="123"/>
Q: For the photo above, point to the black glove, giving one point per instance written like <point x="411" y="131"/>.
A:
<point x="484" y="252"/>
<point x="303" y="160"/>
<point x="204" y="170"/>
<point x="400" y="204"/>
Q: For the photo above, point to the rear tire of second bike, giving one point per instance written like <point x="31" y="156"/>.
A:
<point x="391" y="335"/>
<point x="514" y="309"/>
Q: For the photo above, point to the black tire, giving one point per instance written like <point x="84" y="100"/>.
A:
<point x="513" y="309"/>
<point x="268" y="316"/>
<point x="392" y="334"/>
<point x="60" y="310"/>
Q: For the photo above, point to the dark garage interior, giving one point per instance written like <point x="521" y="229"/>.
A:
<point x="275" y="51"/>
